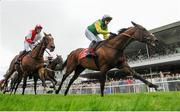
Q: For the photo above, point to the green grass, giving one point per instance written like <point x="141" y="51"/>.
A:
<point x="141" y="101"/>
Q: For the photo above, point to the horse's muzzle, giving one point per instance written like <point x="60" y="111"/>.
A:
<point x="52" y="48"/>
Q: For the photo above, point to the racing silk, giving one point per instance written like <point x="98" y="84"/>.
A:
<point x="33" y="36"/>
<point x="99" y="27"/>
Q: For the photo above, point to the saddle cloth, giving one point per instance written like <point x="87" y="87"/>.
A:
<point x="86" y="52"/>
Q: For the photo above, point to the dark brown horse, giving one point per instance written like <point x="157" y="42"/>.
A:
<point x="15" y="80"/>
<point x="32" y="63"/>
<point x="49" y="71"/>
<point x="109" y="53"/>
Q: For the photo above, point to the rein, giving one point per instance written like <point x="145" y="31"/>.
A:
<point x="41" y="47"/>
<point x="127" y="35"/>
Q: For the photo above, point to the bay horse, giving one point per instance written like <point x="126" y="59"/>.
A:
<point x="109" y="53"/>
<point x="48" y="74"/>
<point x="32" y="63"/>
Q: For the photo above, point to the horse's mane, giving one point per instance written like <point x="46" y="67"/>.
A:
<point x="122" y="30"/>
<point x="36" y="45"/>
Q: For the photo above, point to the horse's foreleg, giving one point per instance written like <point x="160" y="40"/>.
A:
<point x="138" y="76"/>
<point x="78" y="70"/>
<point x="53" y="81"/>
<point x="102" y="80"/>
<point x="35" y="83"/>
<point x="129" y="71"/>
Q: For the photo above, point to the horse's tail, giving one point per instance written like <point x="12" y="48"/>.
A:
<point x="63" y="65"/>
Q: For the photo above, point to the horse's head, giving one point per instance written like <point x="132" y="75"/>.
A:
<point x="58" y="59"/>
<point x="48" y="42"/>
<point x="139" y="33"/>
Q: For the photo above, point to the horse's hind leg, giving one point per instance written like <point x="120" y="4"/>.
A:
<point x="78" y="70"/>
<point x="7" y="76"/>
<point x="13" y="84"/>
<point x="42" y="73"/>
<point x="16" y="86"/>
<point x="69" y="70"/>
<point x="18" y="82"/>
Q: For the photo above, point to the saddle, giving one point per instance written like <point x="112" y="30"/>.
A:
<point x="21" y="55"/>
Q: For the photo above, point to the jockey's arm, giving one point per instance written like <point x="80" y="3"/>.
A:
<point x="99" y="30"/>
<point x="37" y="39"/>
<point x="28" y="37"/>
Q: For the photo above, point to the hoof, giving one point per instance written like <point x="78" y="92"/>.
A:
<point x="56" y="91"/>
<point x="154" y="86"/>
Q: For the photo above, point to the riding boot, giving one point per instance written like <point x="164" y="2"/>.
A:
<point x="92" y="48"/>
<point x="21" y="55"/>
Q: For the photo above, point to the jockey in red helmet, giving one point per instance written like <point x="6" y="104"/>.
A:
<point x="31" y="39"/>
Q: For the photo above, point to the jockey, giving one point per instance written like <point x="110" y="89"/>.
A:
<point x="98" y="27"/>
<point x="31" y="39"/>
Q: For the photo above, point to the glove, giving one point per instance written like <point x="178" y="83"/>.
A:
<point x="112" y="34"/>
<point x="32" y="42"/>
<point x="29" y="41"/>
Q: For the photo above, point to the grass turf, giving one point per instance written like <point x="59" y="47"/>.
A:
<point x="164" y="101"/>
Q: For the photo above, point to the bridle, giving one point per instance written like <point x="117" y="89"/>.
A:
<point x="127" y="42"/>
<point x="43" y="44"/>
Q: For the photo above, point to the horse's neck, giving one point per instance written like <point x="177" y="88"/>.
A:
<point x="38" y="52"/>
<point x="120" y="42"/>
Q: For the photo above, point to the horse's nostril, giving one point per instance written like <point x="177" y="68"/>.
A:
<point x="53" y="47"/>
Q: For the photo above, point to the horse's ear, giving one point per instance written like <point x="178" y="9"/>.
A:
<point x="134" y="23"/>
<point x="45" y="34"/>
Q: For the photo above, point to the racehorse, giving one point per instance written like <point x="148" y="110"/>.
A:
<point x="32" y="63"/>
<point x="49" y="71"/>
<point x="110" y="54"/>
<point x="48" y="74"/>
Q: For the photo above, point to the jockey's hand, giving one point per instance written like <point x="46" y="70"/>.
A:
<point x="112" y="34"/>
<point x="32" y="42"/>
